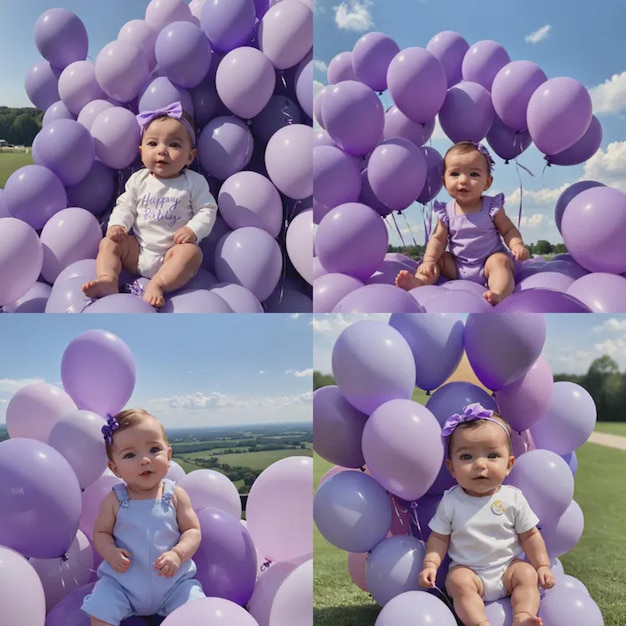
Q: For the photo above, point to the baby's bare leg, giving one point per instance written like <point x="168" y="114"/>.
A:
<point x="408" y="281"/>
<point x="97" y="622"/>
<point x="466" y="590"/>
<point x="500" y="279"/>
<point x="181" y="262"/>
<point x="112" y="256"/>
<point x="520" y="580"/>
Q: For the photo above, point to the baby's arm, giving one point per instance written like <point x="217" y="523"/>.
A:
<point x="169" y="562"/>
<point x="535" y="550"/>
<point x="434" y="250"/>
<point x="203" y="207"/>
<point x="436" y="550"/>
<point x="124" y="213"/>
<point x="103" y="540"/>
<point x="511" y="235"/>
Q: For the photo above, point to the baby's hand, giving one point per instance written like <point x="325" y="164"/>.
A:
<point x="184" y="235"/>
<point x="427" y="577"/>
<point x="429" y="269"/>
<point x="120" y="560"/>
<point x="546" y="577"/>
<point x="520" y="252"/>
<point x="167" y="564"/>
<point x="116" y="233"/>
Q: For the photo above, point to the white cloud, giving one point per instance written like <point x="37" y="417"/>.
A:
<point x="611" y="346"/>
<point x="540" y="197"/>
<point x="320" y="65"/>
<point x="608" y="167"/>
<point x="612" y="324"/>
<point x="610" y="96"/>
<point x="538" y="35"/>
<point x="354" y="15"/>
<point x="536" y="220"/>
<point x="200" y="402"/>
<point x="329" y="325"/>
<point x="301" y="373"/>
<point x="10" y="386"/>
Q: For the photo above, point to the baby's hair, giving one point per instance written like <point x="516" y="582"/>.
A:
<point x="465" y="147"/>
<point x="477" y="422"/>
<point x="188" y="120"/>
<point x="128" y="418"/>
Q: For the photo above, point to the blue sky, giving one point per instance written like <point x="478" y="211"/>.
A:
<point x="584" y="41"/>
<point x="192" y="370"/>
<point x="572" y="341"/>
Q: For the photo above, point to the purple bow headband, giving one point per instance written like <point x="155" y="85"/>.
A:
<point x="174" y="110"/>
<point x="109" y="428"/>
<point x="481" y="148"/>
<point x="471" y="413"/>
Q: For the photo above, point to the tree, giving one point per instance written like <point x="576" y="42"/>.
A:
<point x="322" y="380"/>
<point x="23" y="130"/>
<point x="543" y="247"/>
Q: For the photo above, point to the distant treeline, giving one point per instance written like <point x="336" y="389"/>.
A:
<point x="542" y="247"/>
<point x="603" y="380"/>
<point x="19" y="126"/>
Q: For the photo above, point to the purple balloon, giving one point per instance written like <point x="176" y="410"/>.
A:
<point x="116" y="136"/>
<point x="41" y="84"/>
<point x="352" y="511"/>
<point x="511" y="90"/>
<point x="122" y="70"/>
<point x="41" y="499"/>
<point x="160" y="92"/>
<point x="422" y="294"/>
<point x="417" y="84"/>
<point x="452" y="397"/>
<point x="226" y="558"/>
<point x="34" y="193"/>
<point x="340" y="69"/>
<point x="583" y="149"/>
<point x="369" y="198"/>
<point x="546" y="280"/>
<point x="378" y="298"/>
<point x="336" y="176"/>
<point x="95" y="191"/>
<point x="304" y="85"/>
<point x="371" y="56"/>
<point x="209" y="244"/>
<point x="61" y="37"/>
<point x="289" y="160"/>
<point x="56" y="111"/>
<point x="119" y="303"/>
<point x="450" y="48"/>
<point x="238" y="298"/>
<point x="161" y="13"/>
<point x="195" y="301"/>
<point x="33" y="301"/>
<point x="330" y="288"/>
<point x="456" y="301"/>
<point x="143" y="35"/>
<point x="563" y="606"/>
<point x="601" y="292"/>
<point x="387" y="272"/>
<point x="483" y="61"/>
<point x="397" y="124"/>
<point x="353" y="116"/>
<point x="467" y="113"/>
<point x="558" y="114"/>
<point x="396" y="171"/>
<point x="90" y="111"/>
<point x="78" y="86"/>
<point x="569" y="194"/>
<point x="541" y="300"/>
<point x="502" y="348"/>
<point x="506" y="142"/>
<point x="338" y="428"/>
<point x="434" y="174"/>
<point x="499" y="612"/>
<point x="67" y="296"/>
<point x="565" y="534"/>
<point x="280" y="111"/>
<point x="372" y="363"/>
<point x="228" y="24"/>
<point x="464" y="285"/>
<point x="98" y="372"/>
<point x="424" y="609"/>
<point x="351" y="239"/>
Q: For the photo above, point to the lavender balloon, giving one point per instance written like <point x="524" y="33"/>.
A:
<point x="289" y="160"/>
<point x="210" y="610"/>
<point x="422" y="607"/>
<point x="61" y="37"/>
<point x="160" y="92"/>
<point x="483" y="61"/>
<point x="397" y="124"/>
<point x="371" y="56"/>
<point x="583" y="149"/>
<point x="467" y="113"/>
<point x="122" y="70"/>
<point x="195" y="301"/>
<point x="336" y="176"/>
<point x="33" y="301"/>
<point x="563" y="606"/>
<point x="238" y="298"/>
<point x="41" y="85"/>
<point x="377" y="298"/>
<point x="601" y="292"/>
<point x="506" y="142"/>
<point x="569" y="194"/>
<point x="541" y="300"/>
<point x="340" y="69"/>
<point x="56" y="111"/>
<point x="456" y="301"/>
<point x="434" y="168"/>
<point x="116" y="136"/>
<point x="210" y="488"/>
<point x="565" y="534"/>
<point x="450" y="48"/>
<point x="330" y="288"/>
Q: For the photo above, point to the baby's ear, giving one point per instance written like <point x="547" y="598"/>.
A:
<point x="511" y="462"/>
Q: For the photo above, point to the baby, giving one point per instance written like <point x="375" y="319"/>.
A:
<point x="485" y="525"/>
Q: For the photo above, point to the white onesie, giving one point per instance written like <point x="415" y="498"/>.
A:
<point x="484" y="532"/>
<point x="155" y="208"/>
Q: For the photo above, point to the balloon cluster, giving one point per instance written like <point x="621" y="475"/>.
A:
<point x="368" y="162"/>
<point x="243" y="71"/>
<point x="368" y="422"/>
<point x="53" y="477"/>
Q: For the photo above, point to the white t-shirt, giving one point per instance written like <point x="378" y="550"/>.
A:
<point x="155" y="208"/>
<point x="483" y="530"/>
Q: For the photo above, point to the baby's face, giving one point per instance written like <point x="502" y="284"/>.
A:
<point x="166" y="147"/>
<point x="480" y="458"/>
<point x="466" y="177"/>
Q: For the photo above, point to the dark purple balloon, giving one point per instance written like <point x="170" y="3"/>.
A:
<point x="541" y="301"/>
<point x="467" y="113"/>
<point x="583" y="149"/>
<point x="506" y="142"/>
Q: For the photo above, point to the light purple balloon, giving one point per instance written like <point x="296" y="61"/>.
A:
<point x="225" y="146"/>
<point x="565" y="534"/>
<point x="34" y="193"/>
<point x="464" y="285"/>
<point x="212" y="609"/>
<point x="434" y="174"/>
<point x="41" y="505"/>
<point x="122" y="70"/>
<point x="67" y="296"/>
<point x="299" y="244"/>
<point x="546" y="481"/>
<point x="371" y="56"/>
<point x="601" y="292"/>
<point x="340" y="69"/>
<point x="583" y="149"/>
<point x="119" y="303"/>
<point x="160" y="92"/>
<point x="85" y="269"/>
<point x="387" y="272"/>
<point x="195" y="301"/>
<point x="499" y="612"/>
<point x="41" y="84"/>
<point x="424" y="609"/>
<point x="286" y="33"/>
<point x="70" y="235"/>
<point x="457" y="301"/>
<point x="546" y="280"/>
<point x="228" y="24"/>
<point x="336" y="176"/>
<point x="304" y="85"/>
<point x="95" y="191"/>
<point x="232" y="260"/>
<point x="559" y="113"/>
<point x="98" y="371"/>
<point x="352" y="511"/>
<point x="92" y="498"/>
<point x="396" y="171"/>
<point x="160" y="13"/>
<point x="351" y="239"/>
<point x="422" y="294"/>
<point x="369" y="198"/>
<point x="377" y="298"/>
<point x="450" y="48"/>
<point x="564" y="606"/>
<point x="541" y="300"/>
<point x="61" y="37"/>
<point x="417" y="84"/>
<point x="506" y="142"/>
<point x="330" y="288"/>
<point x="33" y="301"/>
<point x="502" y="348"/>
<point x="511" y="90"/>
<point x="209" y="244"/>
<point x="569" y="194"/>
<point x="353" y="116"/>
<point x="143" y="35"/>
<point x="397" y="124"/>
<point x="211" y="488"/>
<point x="90" y="111"/>
<point x="372" y="364"/>
<point x="245" y="81"/>
<point x="295" y="596"/>
<point x="238" y="298"/>
<point x="56" y="111"/>
<point x="206" y="102"/>
<point x="21" y="258"/>
<point x="288" y="300"/>
<point x="452" y="397"/>
<point x="116" y="136"/>
<point x="289" y="160"/>
<point x="467" y="113"/>
<point x="483" y="61"/>
<point x="78" y="86"/>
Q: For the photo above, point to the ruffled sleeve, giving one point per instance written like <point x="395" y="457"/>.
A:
<point x="495" y="204"/>
<point x="439" y="209"/>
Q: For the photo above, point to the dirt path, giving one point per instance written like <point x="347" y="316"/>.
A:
<point x="608" y="440"/>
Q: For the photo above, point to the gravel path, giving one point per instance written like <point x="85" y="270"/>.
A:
<point x="608" y="440"/>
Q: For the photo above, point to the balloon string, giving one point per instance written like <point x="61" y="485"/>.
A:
<point x="406" y="221"/>
<point x="521" y="189"/>
<point x="415" y="522"/>
<point x="398" y="511"/>
<point x="444" y="597"/>
<point x="266" y="563"/>
<point x="285" y="112"/>
<point x="427" y="218"/>
<point x="393" y="217"/>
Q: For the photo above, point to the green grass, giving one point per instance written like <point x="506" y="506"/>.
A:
<point x="614" y="428"/>
<point x="255" y="460"/>
<point x="11" y="161"/>
<point x="598" y="560"/>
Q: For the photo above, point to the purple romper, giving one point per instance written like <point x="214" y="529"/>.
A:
<point x="472" y="238"/>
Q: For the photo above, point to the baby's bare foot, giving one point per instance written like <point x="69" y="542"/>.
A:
<point x="153" y="294"/>
<point x="526" y="619"/>
<point x="407" y="281"/>
<point x="102" y="286"/>
<point x="492" y="297"/>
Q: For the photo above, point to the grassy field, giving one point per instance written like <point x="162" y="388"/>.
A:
<point x="11" y="161"/>
<point x="254" y="460"/>
<point x="614" y="428"/>
<point x="599" y="559"/>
